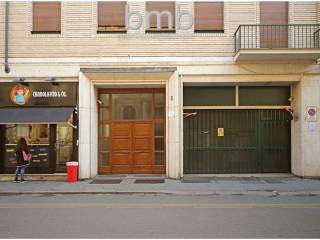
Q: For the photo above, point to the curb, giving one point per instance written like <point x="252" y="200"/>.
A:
<point x="177" y="193"/>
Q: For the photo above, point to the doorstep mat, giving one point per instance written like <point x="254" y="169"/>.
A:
<point x="149" y="181"/>
<point x="106" y="181"/>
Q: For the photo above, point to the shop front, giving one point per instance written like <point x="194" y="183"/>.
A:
<point x="45" y="115"/>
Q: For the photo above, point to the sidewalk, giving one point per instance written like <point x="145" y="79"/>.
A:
<point x="133" y="184"/>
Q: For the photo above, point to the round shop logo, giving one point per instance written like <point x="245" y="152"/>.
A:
<point x="20" y="94"/>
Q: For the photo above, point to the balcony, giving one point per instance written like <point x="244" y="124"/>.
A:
<point x="292" y="42"/>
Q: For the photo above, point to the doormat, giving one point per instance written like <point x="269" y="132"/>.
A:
<point x="149" y="181"/>
<point x="195" y="181"/>
<point x="148" y="175"/>
<point x="106" y="181"/>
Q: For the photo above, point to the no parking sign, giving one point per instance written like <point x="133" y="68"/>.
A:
<point x="311" y="114"/>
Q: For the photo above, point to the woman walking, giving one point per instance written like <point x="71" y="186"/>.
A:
<point x="23" y="157"/>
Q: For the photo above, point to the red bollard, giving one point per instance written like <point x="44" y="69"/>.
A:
<point x="72" y="171"/>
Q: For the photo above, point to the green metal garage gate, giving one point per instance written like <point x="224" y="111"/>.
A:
<point x="237" y="141"/>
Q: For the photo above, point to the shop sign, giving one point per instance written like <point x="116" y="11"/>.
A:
<point x="311" y="114"/>
<point x="37" y="94"/>
<point x="220" y="132"/>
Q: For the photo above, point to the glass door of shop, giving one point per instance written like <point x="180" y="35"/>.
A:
<point x="63" y="146"/>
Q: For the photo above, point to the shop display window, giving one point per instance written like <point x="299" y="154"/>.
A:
<point x="45" y="154"/>
<point x="33" y="133"/>
<point x="37" y="137"/>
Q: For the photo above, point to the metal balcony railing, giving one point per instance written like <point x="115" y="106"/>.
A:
<point x="291" y="36"/>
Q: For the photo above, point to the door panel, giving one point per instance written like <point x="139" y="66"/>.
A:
<point x="253" y="141"/>
<point x="207" y="152"/>
<point x="142" y="129"/>
<point x="143" y="150"/>
<point x="142" y="144"/>
<point x="121" y="147"/>
<point x="143" y="158"/>
<point x="132" y="147"/>
<point x="275" y="141"/>
<point x="121" y="129"/>
<point x="119" y="144"/>
<point x="121" y="159"/>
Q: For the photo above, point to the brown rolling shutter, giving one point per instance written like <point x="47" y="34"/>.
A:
<point x="273" y="13"/>
<point x="160" y="7"/>
<point x="111" y="14"/>
<point x="46" y="16"/>
<point x="208" y="16"/>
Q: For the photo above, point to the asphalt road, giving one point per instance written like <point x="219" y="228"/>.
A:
<point x="159" y="216"/>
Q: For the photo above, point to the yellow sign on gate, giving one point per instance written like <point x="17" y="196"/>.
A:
<point x="220" y="132"/>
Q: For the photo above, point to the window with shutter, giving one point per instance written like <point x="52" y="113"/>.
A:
<point x="111" y="16"/>
<point x="273" y="13"/>
<point x="208" y="17"/>
<point x="157" y="15"/>
<point x="274" y="17"/>
<point x="46" y="17"/>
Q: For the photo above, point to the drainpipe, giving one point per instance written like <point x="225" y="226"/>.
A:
<point x="6" y="45"/>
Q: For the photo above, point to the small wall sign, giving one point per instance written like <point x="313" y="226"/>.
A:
<point x="220" y="132"/>
<point x="312" y="127"/>
<point x="311" y="114"/>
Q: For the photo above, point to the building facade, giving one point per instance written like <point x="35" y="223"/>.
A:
<point x="232" y="89"/>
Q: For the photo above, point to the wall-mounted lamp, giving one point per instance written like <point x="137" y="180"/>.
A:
<point x="19" y="79"/>
<point x="294" y="115"/>
<point x="71" y="125"/>
<point x="50" y="79"/>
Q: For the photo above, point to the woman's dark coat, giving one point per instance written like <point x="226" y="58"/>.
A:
<point x="19" y="156"/>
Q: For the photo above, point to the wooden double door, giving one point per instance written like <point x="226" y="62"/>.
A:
<point x="132" y="147"/>
<point x="131" y="131"/>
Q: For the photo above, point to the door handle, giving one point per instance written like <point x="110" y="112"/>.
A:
<point x="204" y="132"/>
